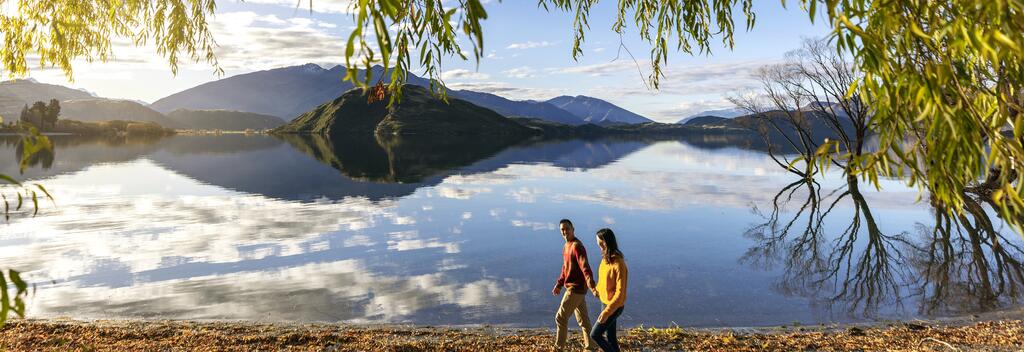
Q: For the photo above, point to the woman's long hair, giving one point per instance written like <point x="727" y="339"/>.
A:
<point x="611" y="245"/>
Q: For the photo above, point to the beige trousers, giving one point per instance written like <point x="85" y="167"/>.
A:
<point x="573" y="303"/>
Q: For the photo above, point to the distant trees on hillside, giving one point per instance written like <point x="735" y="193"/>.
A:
<point x="41" y="114"/>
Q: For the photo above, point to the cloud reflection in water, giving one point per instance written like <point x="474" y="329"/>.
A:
<point x="212" y="253"/>
<point x="227" y="234"/>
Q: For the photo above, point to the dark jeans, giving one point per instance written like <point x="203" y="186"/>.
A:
<point x="607" y="327"/>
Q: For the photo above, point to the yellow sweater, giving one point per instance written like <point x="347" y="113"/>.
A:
<point x="611" y="286"/>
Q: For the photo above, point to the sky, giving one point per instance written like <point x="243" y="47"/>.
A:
<point x="528" y="55"/>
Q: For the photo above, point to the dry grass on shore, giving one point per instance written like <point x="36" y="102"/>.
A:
<point x="56" y="335"/>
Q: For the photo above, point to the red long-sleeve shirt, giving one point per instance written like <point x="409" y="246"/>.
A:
<point x="576" y="274"/>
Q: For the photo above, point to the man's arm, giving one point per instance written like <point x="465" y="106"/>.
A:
<point x="581" y="259"/>
<point x="561" y="280"/>
<point x="561" y="277"/>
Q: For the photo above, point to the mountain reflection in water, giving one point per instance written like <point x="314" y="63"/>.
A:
<point x="309" y="229"/>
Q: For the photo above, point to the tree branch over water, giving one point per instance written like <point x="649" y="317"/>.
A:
<point x="949" y="76"/>
<point x="956" y="265"/>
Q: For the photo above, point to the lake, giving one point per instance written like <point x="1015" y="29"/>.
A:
<point x="261" y="228"/>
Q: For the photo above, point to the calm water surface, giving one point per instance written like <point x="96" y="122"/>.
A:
<point x="255" y="227"/>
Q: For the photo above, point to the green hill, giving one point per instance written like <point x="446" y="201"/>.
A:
<point x="15" y="94"/>
<point x="419" y="113"/>
<point x="108" y="109"/>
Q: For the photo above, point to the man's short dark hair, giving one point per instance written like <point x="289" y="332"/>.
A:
<point x="564" y="222"/>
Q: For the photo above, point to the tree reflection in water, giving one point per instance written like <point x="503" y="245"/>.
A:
<point x="960" y="264"/>
<point x="966" y="264"/>
<point x="41" y="157"/>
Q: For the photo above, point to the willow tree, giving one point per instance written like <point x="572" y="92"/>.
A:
<point x="56" y="32"/>
<point x="944" y="76"/>
<point x="53" y="33"/>
<point x="392" y="32"/>
<point x="947" y="76"/>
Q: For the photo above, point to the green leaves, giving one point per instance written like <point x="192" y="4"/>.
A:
<point x="946" y="80"/>
<point x="60" y="31"/>
<point x="401" y="27"/>
<point x="32" y="144"/>
<point x="12" y="303"/>
<point x="428" y="28"/>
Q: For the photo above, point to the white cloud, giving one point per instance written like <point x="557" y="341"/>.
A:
<point x="711" y="79"/>
<point x="492" y="179"/>
<point x="246" y="41"/>
<point x="525" y="194"/>
<point x="324" y="6"/>
<point x="271" y="19"/>
<point x="603" y="69"/>
<point x="225" y="227"/>
<point x="411" y="245"/>
<point x="249" y="41"/>
<point x="689" y="108"/>
<point x="520" y="72"/>
<point x="300" y="22"/>
<point x="496" y="213"/>
<point x="403" y="220"/>
<point x="359" y="241"/>
<point x="460" y="193"/>
<point x="463" y="74"/>
<point x="509" y="91"/>
<point x="707" y="80"/>
<point x="529" y="45"/>
<point x="751" y="177"/>
<point x="344" y="290"/>
<point x="534" y="225"/>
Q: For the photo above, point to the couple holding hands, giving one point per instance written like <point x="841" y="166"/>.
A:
<point x="577" y="279"/>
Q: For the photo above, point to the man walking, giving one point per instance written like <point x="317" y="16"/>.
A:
<point x="577" y="279"/>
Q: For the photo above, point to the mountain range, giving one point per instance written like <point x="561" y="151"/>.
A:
<point x="84" y="106"/>
<point x="99" y="109"/>
<point x="15" y="94"/>
<point x="816" y="124"/>
<point x="597" y="111"/>
<point x="419" y="115"/>
<point x="729" y="113"/>
<point x="516" y="108"/>
<point x="292" y="91"/>
<point x="287" y="93"/>
<point x="283" y="92"/>
<point x="720" y="113"/>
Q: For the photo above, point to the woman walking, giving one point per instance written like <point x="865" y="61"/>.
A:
<point x="611" y="289"/>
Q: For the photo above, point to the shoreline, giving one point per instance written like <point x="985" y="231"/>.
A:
<point x="993" y="331"/>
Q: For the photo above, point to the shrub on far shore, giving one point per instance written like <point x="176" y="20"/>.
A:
<point x="102" y="128"/>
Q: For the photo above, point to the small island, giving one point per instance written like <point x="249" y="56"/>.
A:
<point x="420" y="113"/>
